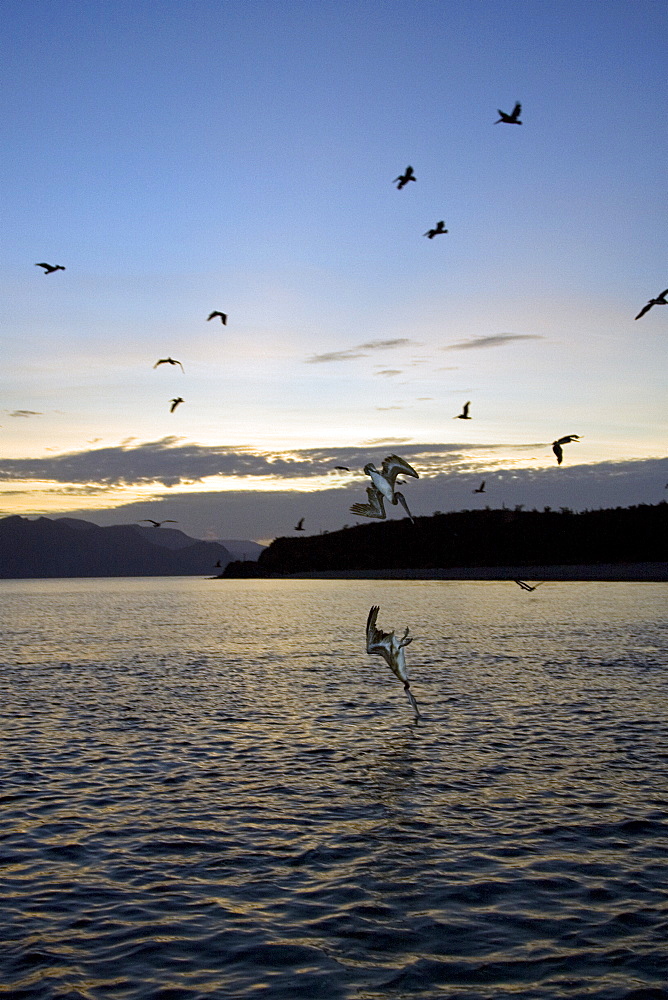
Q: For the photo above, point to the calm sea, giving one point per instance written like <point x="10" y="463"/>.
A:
<point x="209" y="790"/>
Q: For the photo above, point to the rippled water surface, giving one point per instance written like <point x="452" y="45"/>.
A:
<point x="208" y="789"/>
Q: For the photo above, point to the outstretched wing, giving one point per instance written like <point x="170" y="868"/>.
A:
<point x="567" y="439"/>
<point x="374" y="508"/>
<point x="556" y="448"/>
<point x="377" y="641"/>
<point x="517" y="110"/>
<point x="394" y="466"/>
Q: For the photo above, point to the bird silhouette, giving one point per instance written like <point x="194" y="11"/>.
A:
<point x="223" y="316"/>
<point x="384" y="482"/>
<point x="513" y="118"/>
<point x="556" y="445"/>
<point x="527" y="586"/>
<point x="50" y="268"/>
<point x="481" y="488"/>
<point x="158" y="524"/>
<point x="404" y="178"/>
<point x="660" y="300"/>
<point x="175" y="403"/>
<point x="299" y="526"/>
<point x="464" y="415"/>
<point x="387" y="645"/>
<point x="437" y="231"/>
<point x="168" y="361"/>
<point x="342" y="468"/>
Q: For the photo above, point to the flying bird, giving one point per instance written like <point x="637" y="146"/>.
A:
<point x="481" y="488"/>
<point x="167" y="361"/>
<point x="387" y="645"/>
<point x="158" y="524"/>
<point x="660" y="300"/>
<point x="513" y="118"/>
<point x="404" y="178"/>
<point x="223" y="316"/>
<point x="439" y="229"/>
<point x="342" y="468"/>
<point x="464" y="415"/>
<point x="175" y="403"/>
<point x="50" y="268"/>
<point x="384" y="482"/>
<point x="299" y="526"/>
<point x="527" y="586"/>
<point x="556" y="445"/>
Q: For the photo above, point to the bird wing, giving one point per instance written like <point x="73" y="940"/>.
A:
<point x="645" y="309"/>
<point x="465" y="408"/>
<point x="43" y="264"/>
<point x="374" y="508"/>
<point x="663" y="294"/>
<point x="517" y="110"/>
<point x="378" y="641"/>
<point x="567" y="439"/>
<point x="394" y="466"/>
<point x="556" y="448"/>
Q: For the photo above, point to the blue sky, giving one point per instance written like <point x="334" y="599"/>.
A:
<point x="183" y="157"/>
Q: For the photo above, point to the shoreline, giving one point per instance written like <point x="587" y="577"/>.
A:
<point x="647" y="572"/>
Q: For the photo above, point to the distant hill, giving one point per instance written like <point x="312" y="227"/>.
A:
<point x="69" y="547"/>
<point x="475" y="538"/>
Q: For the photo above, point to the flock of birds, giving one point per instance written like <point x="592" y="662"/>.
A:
<point x="385" y="480"/>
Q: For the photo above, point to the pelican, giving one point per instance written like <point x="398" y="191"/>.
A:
<point x="464" y="415"/>
<point x="384" y="481"/>
<point x="527" y="586"/>
<point x="158" y="524"/>
<point x="556" y="445"/>
<point x="513" y="118"/>
<point x="404" y="178"/>
<point x="167" y="361"/>
<point x="50" y="268"/>
<point x="175" y="403"/>
<point x="387" y="645"/>
<point x="660" y="300"/>
<point x="439" y="229"/>
<point x="223" y="317"/>
<point x="481" y="488"/>
<point x="299" y="526"/>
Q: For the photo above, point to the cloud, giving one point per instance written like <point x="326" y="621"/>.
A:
<point x="495" y="340"/>
<point x="359" y="351"/>
<point x="26" y="413"/>
<point x="388" y="372"/>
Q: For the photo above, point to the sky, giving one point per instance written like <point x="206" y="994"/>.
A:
<point x="239" y="155"/>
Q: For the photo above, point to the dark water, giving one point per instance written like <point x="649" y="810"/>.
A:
<point x="208" y="790"/>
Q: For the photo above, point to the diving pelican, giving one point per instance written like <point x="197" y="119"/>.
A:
<point x="158" y="524"/>
<point x="404" y="178"/>
<point x="384" y="481"/>
<point x="464" y="415"/>
<point x="387" y="645"/>
<point x="168" y="361"/>
<point x="660" y="300"/>
<point x="223" y="317"/>
<point x="556" y="445"/>
<point x="50" y="268"/>
<point x="437" y="231"/>
<point x="175" y="403"/>
<point x="513" y="118"/>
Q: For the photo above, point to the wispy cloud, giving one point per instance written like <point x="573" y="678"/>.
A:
<point x="359" y="350"/>
<point x="26" y="413"/>
<point x="494" y="340"/>
<point x="388" y="372"/>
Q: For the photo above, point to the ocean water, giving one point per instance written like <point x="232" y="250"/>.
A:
<point x="209" y="790"/>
